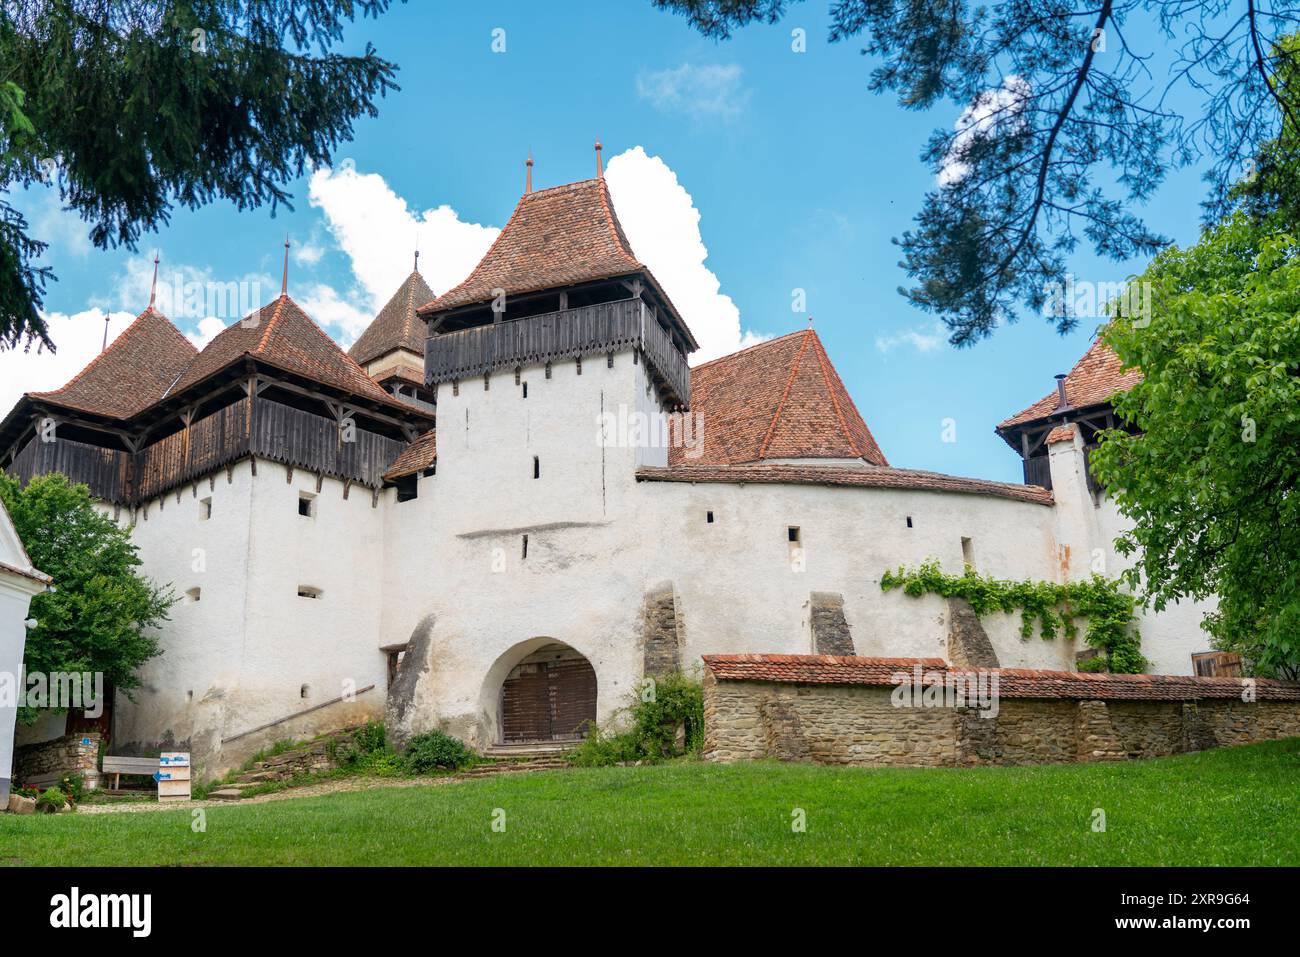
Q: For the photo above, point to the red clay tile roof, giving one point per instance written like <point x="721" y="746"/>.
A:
<point x="282" y="335"/>
<point x="1012" y="682"/>
<point x="133" y="373"/>
<point x="556" y="237"/>
<point x="1093" y="380"/>
<point x="1062" y="433"/>
<point x="861" y="476"/>
<point x="397" y="326"/>
<point x="416" y="457"/>
<point x="780" y="399"/>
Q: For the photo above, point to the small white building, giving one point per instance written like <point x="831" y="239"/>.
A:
<point x="20" y="581"/>
<point x="589" y="511"/>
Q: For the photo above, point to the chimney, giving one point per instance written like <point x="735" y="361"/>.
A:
<point x="1062" y="402"/>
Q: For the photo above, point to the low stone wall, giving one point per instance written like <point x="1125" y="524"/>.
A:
<point x="875" y="711"/>
<point x="43" y="764"/>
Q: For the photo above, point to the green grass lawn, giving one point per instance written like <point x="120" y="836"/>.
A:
<point x="1228" y="806"/>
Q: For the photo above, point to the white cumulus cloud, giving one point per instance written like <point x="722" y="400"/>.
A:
<point x="923" y="339"/>
<point x="79" y="338"/>
<point x="992" y="112"/>
<point x="663" y="226"/>
<point x="712" y="91"/>
<point x="378" y="230"/>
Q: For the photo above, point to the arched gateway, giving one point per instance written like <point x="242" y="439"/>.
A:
<point x="550" y="695"/>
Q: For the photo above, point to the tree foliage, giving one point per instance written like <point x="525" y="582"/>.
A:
<point x="1210" y="481"/>
<point x="101" y="615"/>
<point x="127" y="107"/>
<point x="1065" y="126"/>
<point x="1108" y="608"/>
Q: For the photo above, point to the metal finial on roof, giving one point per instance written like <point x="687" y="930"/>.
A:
<point x="153" y="290"/>
<point x="528" y="182"/>
<point x="600" y="173"/>
<point x="417" y="261"/>
<point x="284" y="279"/>
<point x="104" y="347"/>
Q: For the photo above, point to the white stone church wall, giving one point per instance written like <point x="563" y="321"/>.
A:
<point x="240" y="656"/>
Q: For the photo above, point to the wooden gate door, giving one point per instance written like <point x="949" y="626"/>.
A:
<point x="549" y="696"/>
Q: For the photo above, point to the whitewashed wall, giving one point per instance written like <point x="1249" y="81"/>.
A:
<point x="598" y="540"/>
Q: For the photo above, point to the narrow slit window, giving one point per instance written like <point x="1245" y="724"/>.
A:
<point x="523" y="553"/>
<point x="909" y="521"/>
<point x="525" y="390"/>
<point x="708" y="517"/>
<point x="967" y="552"/>
<point x="537" y="467"/>
<point x="205" y="509"/>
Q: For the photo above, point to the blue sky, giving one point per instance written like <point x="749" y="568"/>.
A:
<point x="800" y="177"/>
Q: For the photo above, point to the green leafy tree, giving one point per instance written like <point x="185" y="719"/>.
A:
<point x="127" y="107"/>
<point x="1067" y="123"/>
<point x="1210" y="481"/>
<point x="101" y="615"/>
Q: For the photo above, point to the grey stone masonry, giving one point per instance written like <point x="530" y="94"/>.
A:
<point x="661" y="631"/>
<point x="830" y="630"/>
<point x="968" y="643"/>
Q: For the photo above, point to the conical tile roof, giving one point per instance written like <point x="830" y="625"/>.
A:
<point x="781" y="399"/>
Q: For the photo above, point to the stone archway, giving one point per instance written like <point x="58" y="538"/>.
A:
<point x="548" y="695"/>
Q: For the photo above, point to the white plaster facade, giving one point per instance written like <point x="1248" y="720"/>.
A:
<point x="20" y="582"/>
<point x="251" y="651"/>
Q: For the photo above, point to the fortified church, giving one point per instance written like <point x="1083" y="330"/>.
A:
<point x="450" y="525"/>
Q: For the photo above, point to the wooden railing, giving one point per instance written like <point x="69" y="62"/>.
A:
<point x="570" y="333"/>
<point x="1038" y="471"/>
<point x="106" y="471"/>
<point x="270" y="431"/>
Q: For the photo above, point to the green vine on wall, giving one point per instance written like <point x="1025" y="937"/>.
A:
<point x="1108" y="610"/>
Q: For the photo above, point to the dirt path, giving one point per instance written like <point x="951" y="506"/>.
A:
<point x="307" y="790"/>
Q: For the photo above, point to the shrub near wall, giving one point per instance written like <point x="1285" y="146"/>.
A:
<point x="846" y="710"/>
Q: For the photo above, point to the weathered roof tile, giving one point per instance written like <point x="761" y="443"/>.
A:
<point x="780" y="399"/>
<point x="1012" y="682"/>
<point x="846" y="475"/>
<point x="133" y="373"/>
<point x="1096" y="377"/>
<point x="396" y="326"/>
<point x="282" y="335"/>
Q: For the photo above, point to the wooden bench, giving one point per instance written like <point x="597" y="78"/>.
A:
<point x="118" y="766"/>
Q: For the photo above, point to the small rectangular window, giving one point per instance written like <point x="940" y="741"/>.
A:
<point x="909" y="521"/>
<point x="967" y="552"/>
<point x="708" y="517"/>
<point x="307" y="591"/>
<point x="537" y="467"/>
<point x="792" y="533"/>
<point x="205" y="509"/>
<point x="525" y="390"/>
<point x="306" y="504"/>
